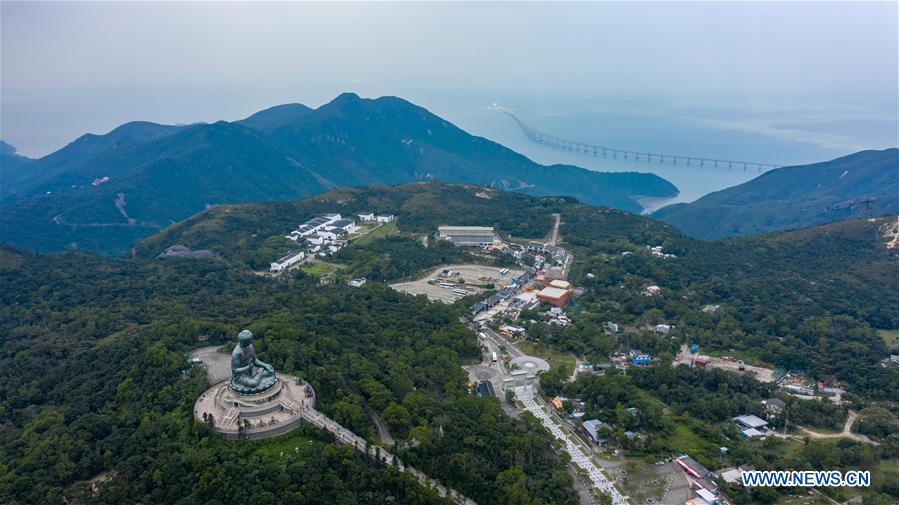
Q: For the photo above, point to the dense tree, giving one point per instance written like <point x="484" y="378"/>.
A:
<point x="96" y="383"/>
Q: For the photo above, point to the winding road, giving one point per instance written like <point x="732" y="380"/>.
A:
<point x="846" y="433"/>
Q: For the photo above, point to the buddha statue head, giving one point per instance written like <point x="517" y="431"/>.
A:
<point x="245" y="338"/>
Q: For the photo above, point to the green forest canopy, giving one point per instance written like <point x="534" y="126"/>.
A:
<point x="94" y="348"/>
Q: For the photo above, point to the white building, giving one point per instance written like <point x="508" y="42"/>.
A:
<point x="385" y="218"/>
<point x="514" y="330"/>
<point x="521" y="382"/>
<point x="356" y="283"/>
<point x="366" y="216"/>
<point x="750" y="422"/>
<point x="284" y="263"/>
<point x="319" y="223"/>
<point x="330" y="233"/>
<point x="345" y="225"/>
<point x="467" y="235"/>
<point x="663" y="329"/>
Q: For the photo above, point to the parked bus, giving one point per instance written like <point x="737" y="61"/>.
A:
<point x="483" y="336"/>
<point x="460" y="292"/>
<point x="494" y="356"/>
<point x="504" y="271"/>
<point x="446" y="285"/>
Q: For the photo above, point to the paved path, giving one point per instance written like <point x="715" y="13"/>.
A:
<point x="555" y="237"/>
<point x="217" y="364"/>
<point x="500" y="342"/>
<point x="348" y="437"/>
<point x="577" y="456"/>
<point x="846" y="433"/>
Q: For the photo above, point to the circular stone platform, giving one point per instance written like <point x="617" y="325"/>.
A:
<point x="267" y="414"/>
<point x="530" y="364"/>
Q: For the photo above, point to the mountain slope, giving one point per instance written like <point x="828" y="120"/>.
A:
<point x="167" y="173"/>
<point x="794" y="197"/>
<point x="11" y="166"/>
<point x="80" y="154"/>
<point x="778" y="297"/>
<point x="152" y="185"/>
<point x="276" y="116"/>
<point x="393" y="141"/>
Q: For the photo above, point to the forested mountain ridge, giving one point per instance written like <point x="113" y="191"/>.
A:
<point x="237" y="232"/>
<point x="855" y="279"/>
<point x="777" y="298"/>
<point x="102" y="191"/>
<point x="863" y="183"/>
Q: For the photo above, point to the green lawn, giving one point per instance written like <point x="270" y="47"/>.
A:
<point x="684" y="440"/>
<point x="887" y="469"/>
<point x="285" y="443"/>
<point x="890" y="337"/>
<point x="385" y="230"/>
<point x="319" y="268"/>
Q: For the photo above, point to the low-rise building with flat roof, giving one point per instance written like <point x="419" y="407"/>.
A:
<point x="476" y="236"/>
<point x="554" y="296"/>
<point x="346" y="225"/>
<point x="703" y="478"/>
<point x="750" y="422"/>
<point x="559" y="283"/>
<point x="591" y="427"/>
<point x="751" y="433"/>
<point x="287" y="261"/>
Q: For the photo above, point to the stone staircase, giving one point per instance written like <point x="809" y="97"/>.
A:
<point x="230" y="416"/>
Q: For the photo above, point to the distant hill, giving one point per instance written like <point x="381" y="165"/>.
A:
<point x="241" y="231"/>
<point x="63" y="166"/>
<point x="794" y="197"/>
<point x="101" y="192"/>
<point x="11" y="166"/>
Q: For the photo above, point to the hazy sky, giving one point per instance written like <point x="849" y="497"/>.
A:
<point x="72" y="68"/>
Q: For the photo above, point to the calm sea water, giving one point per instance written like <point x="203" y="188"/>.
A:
<point x="779" y="135"/>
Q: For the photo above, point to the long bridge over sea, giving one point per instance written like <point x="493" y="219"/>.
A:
<point x="611" y="152"/>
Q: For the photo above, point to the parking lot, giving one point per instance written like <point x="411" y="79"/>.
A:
<point x="471" y="278"/>
<point x="650" y="484"/>
<point x="760" y="374"/>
